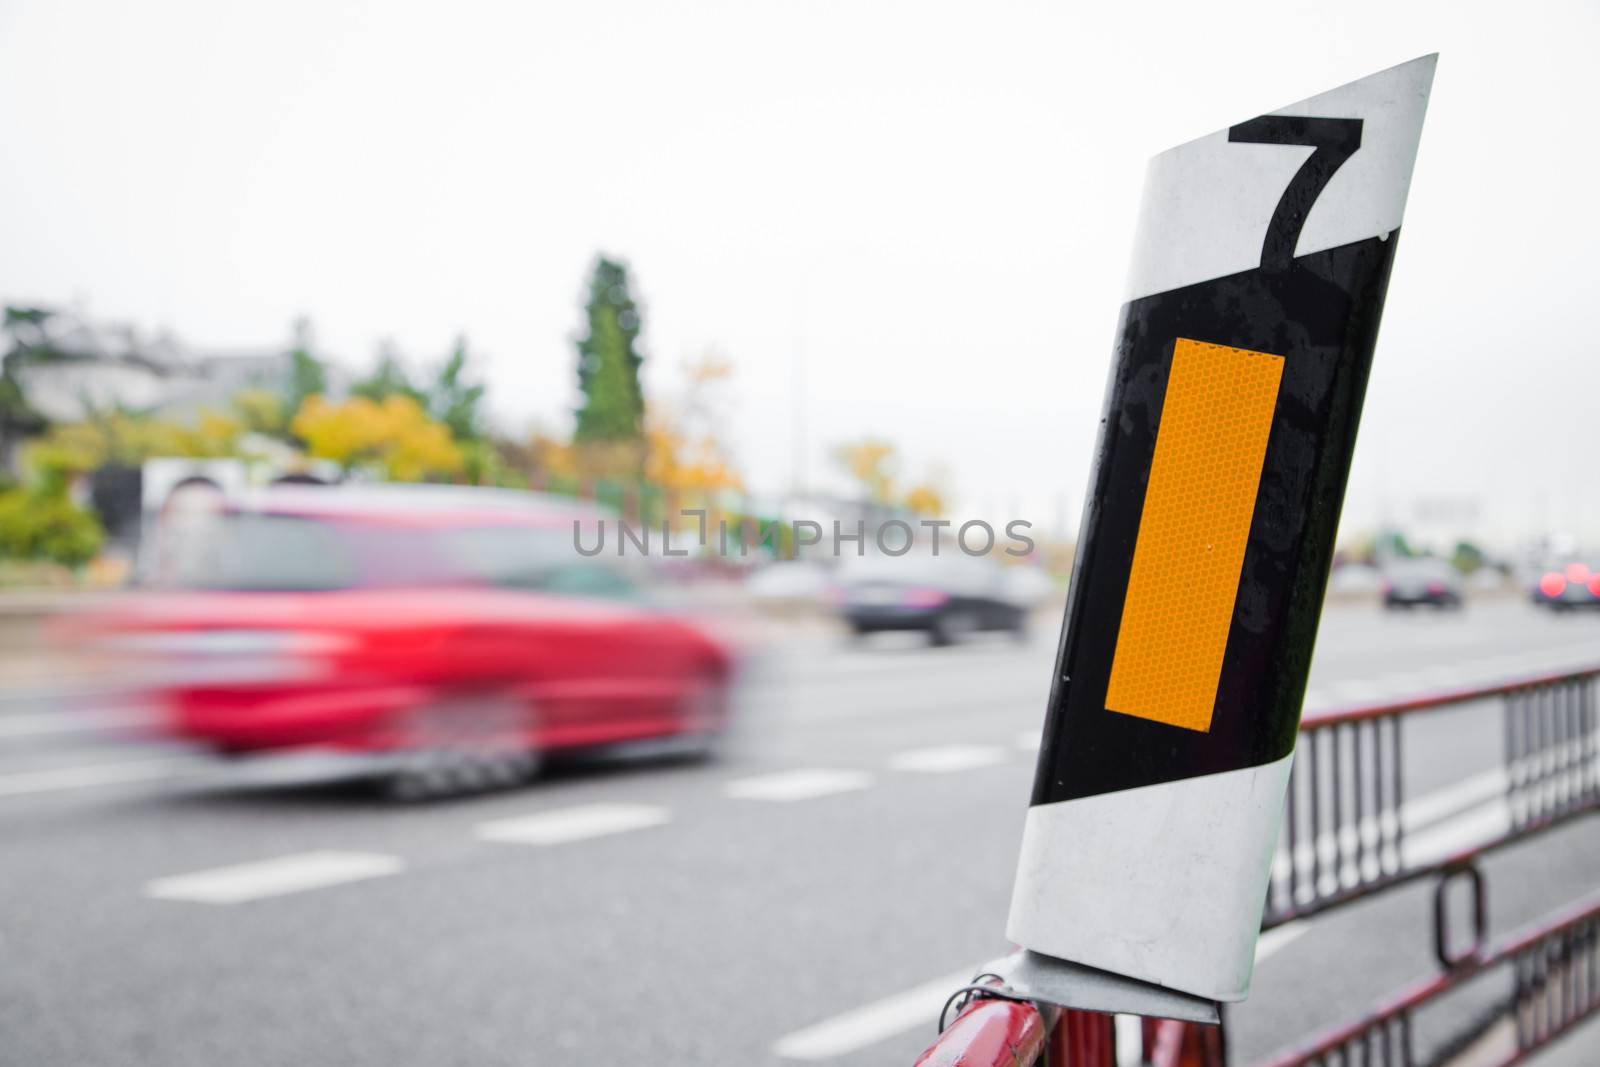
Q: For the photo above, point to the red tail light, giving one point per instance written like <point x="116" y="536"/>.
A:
<point x="1553" y="584"/>
<point x="1594" y="584"/>
<point x="923" y="598"/>
<point x="1577" y="573"/>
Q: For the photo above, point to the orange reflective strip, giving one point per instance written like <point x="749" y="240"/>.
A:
<point x="1192" y="533"/>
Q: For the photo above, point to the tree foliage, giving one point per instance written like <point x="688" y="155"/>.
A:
<point x="308" y="375"/>
<point x="47" y="526"/>
<point x="388" y="378"/>
<point x="448" y="396"/>
<point x="608" y="360"/>
<point x="394" y="434"/>
<point x="27" y="339"/>
<point x="456" y="401"/>
<point x="874" y="465"/>
<point x="125" y="438"/>
<point x="684" y="447"/>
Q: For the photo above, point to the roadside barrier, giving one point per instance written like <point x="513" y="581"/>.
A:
<point x="1349" y="834"/>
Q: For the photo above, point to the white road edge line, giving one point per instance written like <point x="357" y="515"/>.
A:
<point x="1443" y="814"/>
<point x="803" y="784"/>
<point x="275" y="877"/>
<point x="869" y="1024"/>
<point x="944" y="759"/>
<point x="872" y="1023"/>
<point x="564" y="825"/>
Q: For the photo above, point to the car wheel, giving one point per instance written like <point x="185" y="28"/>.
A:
<point x="705" y="715"/>
<point x="951" y="627"/>
<point x="1019" y="627"/>
<point x="460" y="745"/>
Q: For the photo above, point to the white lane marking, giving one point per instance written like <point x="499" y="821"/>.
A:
<point x="1467" y="793"/>
<point x="578" y="823"/>
<point x="1028" y="741"/>
<point x="1449" y="837"/>
<point x="1271" y="942"/>
<point x="101" y="774"/>
<point x="46" y="723"/>
<point x="270" y="878"/>
<point x="1424" y="812"/>
<point x="871" y="1023"/>
<point x="803" y="784"/>
<point x="942" y="759"/>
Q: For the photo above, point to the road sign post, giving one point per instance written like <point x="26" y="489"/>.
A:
<point x="1260" y="269"/>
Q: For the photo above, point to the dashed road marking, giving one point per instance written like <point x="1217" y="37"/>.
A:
<point x="564" y="825"/>
<point x="48" y="723"/>
<point x="943" y="759"/>
<point x="94" y="774"/>
<point x="275" y="877"/>
<point x="803" y="784"/>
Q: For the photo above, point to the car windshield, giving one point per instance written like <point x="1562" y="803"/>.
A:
<point x="532" y="557"/>
<point x="1420" y="570"/>
<point x="297" y="553"/>
<point x="257" y="552"/>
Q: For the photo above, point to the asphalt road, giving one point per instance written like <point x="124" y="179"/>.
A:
<point x="808" y="897"/>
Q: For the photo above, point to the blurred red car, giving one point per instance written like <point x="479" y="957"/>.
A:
<point x="459" y="631"/>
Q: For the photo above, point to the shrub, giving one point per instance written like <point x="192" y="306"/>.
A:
<point x="47" y="527"/>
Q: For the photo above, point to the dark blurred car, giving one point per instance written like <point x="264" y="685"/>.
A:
<point x="946" y="597"/>
<point x="458" y="631"/>
<point x="1572" y="586"/>
<point x="1421" y="583"/>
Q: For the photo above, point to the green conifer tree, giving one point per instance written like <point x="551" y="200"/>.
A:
<point x="612" y="411"/>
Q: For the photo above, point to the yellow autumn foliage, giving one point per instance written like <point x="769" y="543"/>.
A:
<point x="394" y="434"/>
<point x="925" y="500"/>
<point x="678" y="463"/>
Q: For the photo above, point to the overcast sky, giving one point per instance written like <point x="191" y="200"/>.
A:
<point x="929" y="208"/>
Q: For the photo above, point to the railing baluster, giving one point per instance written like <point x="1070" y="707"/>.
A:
<point x="1535" y="753"/>
<point x="1315" y="836"/>
<point x="1512" y="709"/>
<point x="1357" y="806"/>
<point x="1398" y="798"/>
<point x="1379" y="813"/>
<point x="1335" y="780"/>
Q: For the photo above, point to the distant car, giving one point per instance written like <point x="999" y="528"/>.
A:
<point x="457" y="632"/>
<point x="1421" y="582"/>
<point x="1355" y="579"/>
<point x="789" y="584"/>
<point x="946" y="597"/>
<point x="1572" y="586"/>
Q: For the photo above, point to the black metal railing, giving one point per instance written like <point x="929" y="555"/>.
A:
<point x="1345" y="837"/>
<point x="1346" y="817"/>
